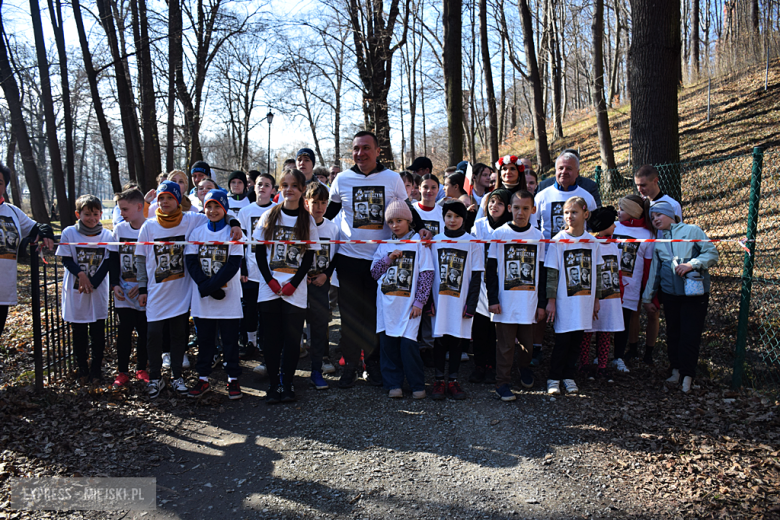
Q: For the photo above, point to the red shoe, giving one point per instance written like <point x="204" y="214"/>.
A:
<point x="143" y="375"/>
<point x="439" y="390"/>
<point x="121" y="380"/>
<point x="234" y="390"/>
<point x="200" y="388"/>
<point x="455" y="391"/>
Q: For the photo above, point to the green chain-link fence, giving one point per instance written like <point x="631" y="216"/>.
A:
<point x="715" y="195"/>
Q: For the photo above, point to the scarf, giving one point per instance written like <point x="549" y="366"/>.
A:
<point x="505" y="196"/>
<point x="634" y="222"/>
<point x="87" y="231"/>
<point x="170" y="220"/>
<point x="454" y="234"/>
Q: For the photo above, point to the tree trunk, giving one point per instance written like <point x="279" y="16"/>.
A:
<point x="502" y="114"/>
<point x="67" y="216"/>
<point x="174" y="18"/>
<point x="654" y="61"/>
<point x="539" y="117"/>
<point x="11" y="92"/>
<point x="491" y="94"/>
<point x="105" y="131"/>
<point x="556" y="73"/>
<point x="602" y="117"/>
<point x="10" y="160"/>
<point x="452" y="55"/>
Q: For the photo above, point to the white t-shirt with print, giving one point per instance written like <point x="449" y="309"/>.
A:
<point x="169" y="288"/>
<point x="334" y="279"/>
<point x="483" y="231"/>
<point x="611" y="309"/>
<point x="211" y="259"/>
<point x="433" y="219"/>
<point x="249" y="216"/>
<point x="128" y="276"/>
<point x="576" y="293"/>
<point x="82" y="307"/>
<point x="454" y="266"/>
<point x="235" y="206"/>
<point x="327" y="230"/>
<point x="396" y="288"/>
<point x="363" y="199"/>
<point x="15" y="226"/>
<point x="518" y="275"/>
<point x="632" y="265"/>
<point x="549" y="208"/>
<point x="284" y="259"/>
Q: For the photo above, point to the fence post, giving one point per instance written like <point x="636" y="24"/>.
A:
<point x="597" y="177"/>
<point x="747" y="268"/>
<point x="35" y="294"/>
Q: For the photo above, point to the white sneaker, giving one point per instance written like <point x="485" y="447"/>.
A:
<point x="553" y="387"/>
<point x="185" y="363"/>
<point x="620" y="365"/>
<point x="179" y="386"/>
<point x="675" y="378"/>
<point x="154" y="387"/>
<point x="464" y="356"/>
<point x="571" y="386"/>
<point x="687" y="382"/>
<point x="328" y="368"/>
<point x="260" y="369"/>
<point x="166" y="360"/>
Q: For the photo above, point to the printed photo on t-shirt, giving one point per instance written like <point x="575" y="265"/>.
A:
<point x="169" y="259"/>
<point x="432" y="226"/>
<point x="126" y="260"/>
<point x="89" y="259"/>
<point x="610" y="279"/>
<point x="368" y="206"/>
<point x="9" y="238"/>
<point x="556" y="212"/>
<point x="286" y="258"/>
<point x="253" y="224"/>
<point x="628" y="252"/>
<point x="520" y="267"/>
<point x="399" y="276"/>
<point x="577" y="265"/>
<point x="321" y="260"/>
<point x="452" y="263"/>
<point x="212" y="258"/>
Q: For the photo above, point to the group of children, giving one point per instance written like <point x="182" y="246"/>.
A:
<point x="441" y="295"/>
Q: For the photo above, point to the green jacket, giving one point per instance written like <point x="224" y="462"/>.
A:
<point x="701" y="255"/>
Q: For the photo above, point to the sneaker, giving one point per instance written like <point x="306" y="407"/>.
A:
<point x="273" y="395"/>
<point x="260" y="370"/>
<point x="234" y="390"/>
<point x="526" y="377"/>
<point x="288" y="394"/>
<point x="166" y="360"/>
<point x="373" y="375"/>
<point x="121" y="380"/>
<point x="395" y="393"/>
<point x="439" y="390"/>
<point x="571" y="386"/>
<point x="154" y="387"/>
<point x="143" y="375"/>
<point x="478" y="375"/>
<point x="687" y="382"/>
<point x="185" y="362"/>
<point x="620" y="365"/>
<point x="553" y="387"/>
<point x="348" y="378"/>
<point x="419" y="394"/>
<point x="318" y="382"/>
<point x="455" y="391"/>
<point x="505" y="393"/>
<point x="200" y="388"/>
<point x="464" y="357"/>
<point x="675" y="377"/>
<point x="328" y="368"/>
<point x="490" y="376"/>
<point x="180" y="386"/>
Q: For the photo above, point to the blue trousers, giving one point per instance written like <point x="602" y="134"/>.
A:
<point x="207" y="334"/>
<point x="399" y="357"/>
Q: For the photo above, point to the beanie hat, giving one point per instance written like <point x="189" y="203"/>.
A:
<point x="455" y="206"/>
<point x="664" y="208"/>
<point x="398" y="209"/>
<point x="462" y="166"/>
<point x="170" y="187"/>
<point x="218" y="196"/>
<point x="237" y="175"/>
<point x="201" y="166"/>
<point x="306" y="151"/>
<point x="601" y="218"/>
<point x="421" y="163"/>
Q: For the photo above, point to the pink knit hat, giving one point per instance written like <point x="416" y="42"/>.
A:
<point x="398" y="209"/>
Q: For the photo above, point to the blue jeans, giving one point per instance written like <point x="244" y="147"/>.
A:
<point x="399" y="357"/>
<point x="207" y="334"/>
<point x="317" y="317"/>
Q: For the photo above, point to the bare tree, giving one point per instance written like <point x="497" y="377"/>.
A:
<point x="452" y="57"/>
<point x="488" y="71"/>
<point x="602" y="118"/>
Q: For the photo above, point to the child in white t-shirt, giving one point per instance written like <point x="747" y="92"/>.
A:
<point x="572" y="293"/>
<point x="404" y="273"/>
<point x="237" y="185"/>
<point x="515" y="293"/>
<point x="610" y="318"/>
<point x="216" y="294"/>
<point x="456" y="286"/>
<point x="282" y="293"/>
<point x="84" y="295"/>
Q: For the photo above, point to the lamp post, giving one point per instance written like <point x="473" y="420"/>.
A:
<point x="270" y="117"/>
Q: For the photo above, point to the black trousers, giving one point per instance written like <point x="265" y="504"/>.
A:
<point x="483" y="334"/>
<point x="564" y="355"/>
<point x="207" y="335"/>
<point x="684" y="326"/>
<point x="251" y="318"/>
<point x="452" y="345"/>
<point x="282" y="329"/>
<point x="621" y="338"/>
<point x="129" y="320"/>
<point x="82" y="334"/>
<point x="317" y="316"/>
<point x="3" y="317"/>
<point x="179" y="327"/>
<point x="357" y="303"/>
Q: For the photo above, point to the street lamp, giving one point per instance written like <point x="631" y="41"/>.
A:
<point x="270" y="117"/>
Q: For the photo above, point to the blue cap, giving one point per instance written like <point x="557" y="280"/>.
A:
<point x="306" y="151"/>
<point x="170" y="187"/>
<point x="218" y="196"/>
